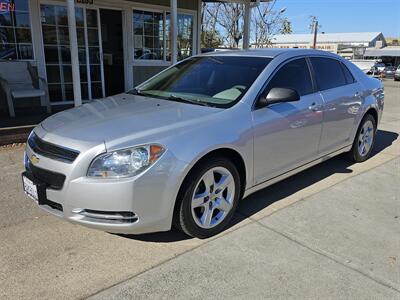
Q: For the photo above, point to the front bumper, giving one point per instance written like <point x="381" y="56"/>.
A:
<point x="136" y="205"/>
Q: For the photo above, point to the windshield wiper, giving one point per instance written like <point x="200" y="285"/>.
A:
<point x="186" y="100"/>
<point x="138" y="92"/>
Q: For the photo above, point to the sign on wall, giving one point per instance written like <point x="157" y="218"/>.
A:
<point x="6" y="6"/>
<point x="85" y="2"/>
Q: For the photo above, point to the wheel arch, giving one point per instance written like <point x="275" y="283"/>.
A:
<point x="370" y="110"/>
<point x="374" y="113"/>
<point x="226" y="152"/>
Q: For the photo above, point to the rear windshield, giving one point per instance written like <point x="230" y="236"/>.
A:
<point x="219" y="81"/>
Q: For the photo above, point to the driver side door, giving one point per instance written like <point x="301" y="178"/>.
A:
<point x="287" y="134"/>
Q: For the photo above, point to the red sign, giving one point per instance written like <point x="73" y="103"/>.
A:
<point x="7" y="6"/>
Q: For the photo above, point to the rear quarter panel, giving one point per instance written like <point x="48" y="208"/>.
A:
<point x="372" y="94"/>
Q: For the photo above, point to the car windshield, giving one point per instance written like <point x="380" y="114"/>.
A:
<point x="219" y="81"/>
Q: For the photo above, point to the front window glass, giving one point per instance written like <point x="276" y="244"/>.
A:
<point x="218" y="81"/>
<point x="294" y="75"/>
<point x="15" y="30"/>
<point x="148" y="30"/>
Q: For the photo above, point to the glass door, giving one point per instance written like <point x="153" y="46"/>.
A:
<point x="58" y="56"/>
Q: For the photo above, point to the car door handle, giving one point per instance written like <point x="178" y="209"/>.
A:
<point x="314" y="107"/>
<point x="357" y="95"/>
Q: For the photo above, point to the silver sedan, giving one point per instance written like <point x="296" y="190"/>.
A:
<point x="185" y="146"/>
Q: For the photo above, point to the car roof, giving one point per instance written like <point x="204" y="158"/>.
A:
<point x="270" y="52"/>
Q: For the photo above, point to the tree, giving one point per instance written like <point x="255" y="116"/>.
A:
<point x="211" y="39"/>
<point x="267" y="22"/>
<point x="313" y="21"/>
<point x="286" y="27"/>
<point x="223" y="22"/>
<point x="210" y="36"/>
<point x="228" y="17"/>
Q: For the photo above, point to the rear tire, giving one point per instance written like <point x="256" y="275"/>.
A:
<point x="208" y="198"/>
<point x="364" y="141"/>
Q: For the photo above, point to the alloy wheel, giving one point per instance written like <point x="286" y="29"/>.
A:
<point x="366" y="138"/>
<point x="213" y="197"/>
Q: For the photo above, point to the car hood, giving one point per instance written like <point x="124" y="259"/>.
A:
<point x="123" y="117"/>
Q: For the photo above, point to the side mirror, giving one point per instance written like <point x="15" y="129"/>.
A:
<point x="277" y="95"/>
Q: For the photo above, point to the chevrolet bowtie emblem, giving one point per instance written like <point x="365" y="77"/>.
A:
<point x="34" y="159"/>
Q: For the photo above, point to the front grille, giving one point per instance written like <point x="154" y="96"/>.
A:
<point x="51" y="179"/>
<point x="50" y="150"/>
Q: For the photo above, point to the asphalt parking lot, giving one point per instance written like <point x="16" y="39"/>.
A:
<point x="330" y="232"/>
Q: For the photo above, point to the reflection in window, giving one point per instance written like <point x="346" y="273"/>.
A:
<point x="148" y="30"/>
<point x="152" y="35"/>
<point x="15" y="31"/>
<point x="185" y="36"/>
<point x="58" y="53"/>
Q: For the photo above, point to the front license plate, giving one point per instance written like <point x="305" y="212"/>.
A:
<point x="30" y="188"/>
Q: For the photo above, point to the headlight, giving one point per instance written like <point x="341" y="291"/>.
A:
<point x="126" y="162"/>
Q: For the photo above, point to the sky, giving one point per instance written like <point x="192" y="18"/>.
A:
<point x="344" y="15"/>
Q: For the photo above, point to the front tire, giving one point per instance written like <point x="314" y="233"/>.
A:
<point x="364" y="140"/>
<point x="208" y="198"/>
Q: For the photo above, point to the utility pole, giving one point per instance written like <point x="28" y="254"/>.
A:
<point x="315" y="34"/>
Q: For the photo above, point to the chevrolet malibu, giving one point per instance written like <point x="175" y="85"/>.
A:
<point x="184" y="147"/>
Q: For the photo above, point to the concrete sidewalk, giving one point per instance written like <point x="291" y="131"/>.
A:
<point x="340" y="243"/>
<point x="312" y="235"/>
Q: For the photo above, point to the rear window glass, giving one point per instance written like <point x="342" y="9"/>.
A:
<point x="349" y="77"/>
<point x="328" y="73"/>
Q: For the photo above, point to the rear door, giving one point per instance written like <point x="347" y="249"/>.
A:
<point x="342" y="102"/>
<point x="286" y="135"/>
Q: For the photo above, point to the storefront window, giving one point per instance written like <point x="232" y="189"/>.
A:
<point x="185" y="36"/>
<point x="152" y="35"/>
<point x="15" y="30"/>
<point x="148" y="29"/>
<point x="58" y="54"/>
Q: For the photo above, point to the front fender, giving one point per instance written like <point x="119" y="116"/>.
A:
<point x="234" y="133"/>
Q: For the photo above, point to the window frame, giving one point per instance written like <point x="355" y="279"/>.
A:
<point x="150" y="10"/>
<point x="164" y="10"/>
<point x="277" y="69"/>
<point x="29" y="11"/>
<point x="341" y="68"/>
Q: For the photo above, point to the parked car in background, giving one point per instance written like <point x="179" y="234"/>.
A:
<point x="380" y="67"/>
<point x="365" y="65"/>
<point x="185" y="146"/>
<point x="388" y="72"/>
<point x="377" y="70"/>
<point x="397" y="74"/>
